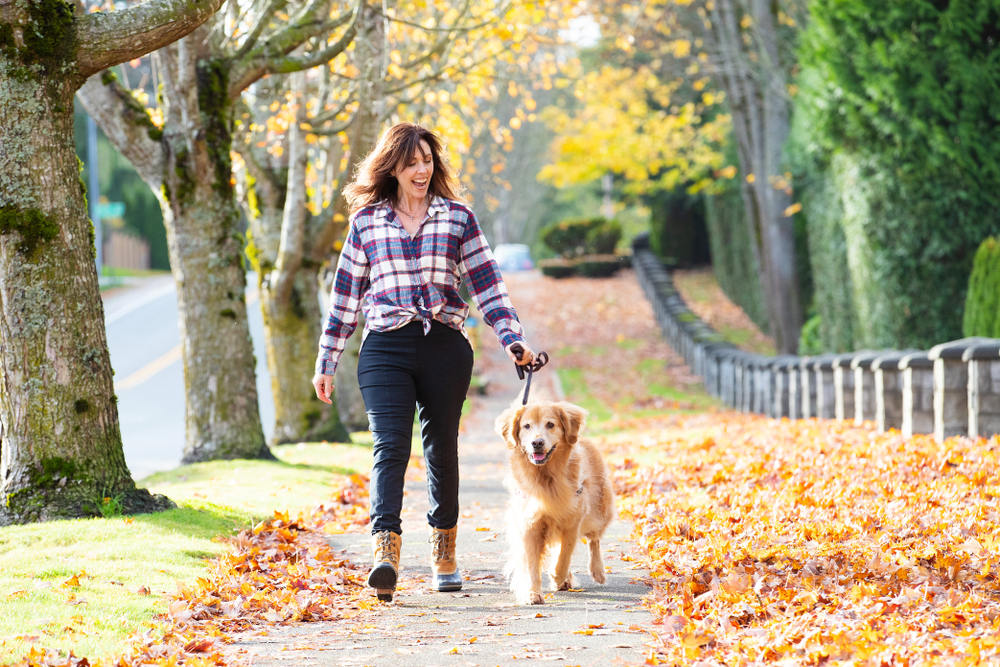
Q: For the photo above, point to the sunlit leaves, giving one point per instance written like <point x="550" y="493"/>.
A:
<point x="634" y="124"/>
<point x="811" y="540"/>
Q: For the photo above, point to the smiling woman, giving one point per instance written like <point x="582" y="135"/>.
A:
<point x="409" y="247"/>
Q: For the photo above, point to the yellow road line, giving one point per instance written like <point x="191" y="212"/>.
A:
<point x="149" y="370"/>
<point x="164" y="362"/>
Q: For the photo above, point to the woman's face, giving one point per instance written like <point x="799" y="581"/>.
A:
<point x="414" y="175"/>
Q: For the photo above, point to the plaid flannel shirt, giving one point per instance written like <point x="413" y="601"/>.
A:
<point x="397" y="279"/>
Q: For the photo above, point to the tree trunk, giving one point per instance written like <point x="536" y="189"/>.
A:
<point x="292" y="329"/>
<point x="289" y="300"/>
<point x="206" y="257"/>
<point x="759" y="106"/>
<point x="370" y="54"/>
<point x="62" y="453"/>
<point x="350" y="403"/>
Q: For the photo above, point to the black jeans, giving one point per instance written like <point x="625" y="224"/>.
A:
<point x="398" y="370"/>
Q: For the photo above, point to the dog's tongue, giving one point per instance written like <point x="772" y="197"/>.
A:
<point x="538" y="456"/>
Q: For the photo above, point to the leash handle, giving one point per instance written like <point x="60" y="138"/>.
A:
<point x="536" y="365"/>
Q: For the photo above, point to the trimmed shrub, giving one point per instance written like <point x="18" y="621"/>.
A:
<point x="582" y="236"/>
<point x="568" y="238"/>
<point x="597" y="266"/>
<point x="982" y="302"/>
<point x="557" y="268"/>
<point x="603" y="239"/>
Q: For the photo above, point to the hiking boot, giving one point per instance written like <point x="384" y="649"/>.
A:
<point x="445" y="568"/>
<point x="385" y="571"/>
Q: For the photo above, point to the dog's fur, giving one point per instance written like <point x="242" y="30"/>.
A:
<point x="560" y="490"/>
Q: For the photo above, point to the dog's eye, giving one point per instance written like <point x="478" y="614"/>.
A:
<point x="525" y="426"/>
<point x="549" y="425"/>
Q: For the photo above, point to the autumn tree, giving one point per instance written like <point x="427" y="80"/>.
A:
<point x="61" y="443"/>
<point x="653" y="114"/>
<point x="181" y="146"/>
<point x="433" y="63"/>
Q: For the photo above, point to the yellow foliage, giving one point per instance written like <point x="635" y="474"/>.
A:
<point x="619" y="130"/>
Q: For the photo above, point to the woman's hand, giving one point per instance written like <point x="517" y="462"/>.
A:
<point x="324" y="387"/>
<point x="527" y="356"/>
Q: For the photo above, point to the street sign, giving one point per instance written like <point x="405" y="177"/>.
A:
<point x="110" y="209"/>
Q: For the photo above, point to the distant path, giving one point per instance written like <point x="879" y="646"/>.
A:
<point x="480" y="625"/>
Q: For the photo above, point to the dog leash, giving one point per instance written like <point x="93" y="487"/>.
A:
<point x="530" y="369"/>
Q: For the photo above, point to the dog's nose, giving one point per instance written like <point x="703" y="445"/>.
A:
<point x="538" y="443"/>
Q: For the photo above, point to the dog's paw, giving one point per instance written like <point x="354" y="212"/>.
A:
<point x="563" y="585"/>
<point x="528" y="597"/>
<point x="597" y="573"/>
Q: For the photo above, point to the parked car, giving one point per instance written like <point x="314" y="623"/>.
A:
<point x="513" y="257"/>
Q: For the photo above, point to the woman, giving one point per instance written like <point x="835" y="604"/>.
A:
<point x="410" y="244"/>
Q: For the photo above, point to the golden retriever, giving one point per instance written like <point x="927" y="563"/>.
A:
<point x="560" y="490"/>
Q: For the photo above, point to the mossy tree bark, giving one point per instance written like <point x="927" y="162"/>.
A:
<point x="187" y="163"/>
<point x="60" y="440"/>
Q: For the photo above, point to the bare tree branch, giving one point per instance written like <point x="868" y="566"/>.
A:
<point x="110" y="38"/>
<point x="501" y="12"/>
<point x="293" y="223"/>
<point x="262" y="19"/>
<point x="126" y="124"/>
<point x="272" y="56"/>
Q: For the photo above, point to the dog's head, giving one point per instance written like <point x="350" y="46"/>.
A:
<point x="538" y="430"/>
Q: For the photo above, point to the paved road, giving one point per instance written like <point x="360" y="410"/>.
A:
<point x="146" y="356"/>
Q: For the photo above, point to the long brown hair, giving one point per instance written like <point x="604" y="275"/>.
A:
<point x="374" y="180"/>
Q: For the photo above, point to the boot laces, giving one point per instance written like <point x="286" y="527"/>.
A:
<point x="384" y="546"/>
<point x="442" y="544"/>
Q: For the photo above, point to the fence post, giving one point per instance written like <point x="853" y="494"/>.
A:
<point x="822" y="367"/>
<point x="983" y="362"/>
<point x="918" y="393"/>
<point x="951" y="386"/>
<point x="889" y="389"/>
<point x="843" y="386"/>
<point x="864" y="385"/>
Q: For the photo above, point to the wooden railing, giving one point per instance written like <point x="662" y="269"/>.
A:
<point x="951" y="389"/>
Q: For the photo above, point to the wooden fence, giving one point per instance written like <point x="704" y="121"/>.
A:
<point x="951" y="389"/>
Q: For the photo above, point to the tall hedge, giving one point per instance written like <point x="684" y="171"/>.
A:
<point x="677" y="230"/>
<point x="899" y="98"/>
<point x="733" y="260"/>
<point x="982" y="303"/>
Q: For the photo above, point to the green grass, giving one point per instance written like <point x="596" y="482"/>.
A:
<point x="117" y="560"/>
<point x="651" y="371"/>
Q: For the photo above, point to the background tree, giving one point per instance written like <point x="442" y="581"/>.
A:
<point x="61" y="443"/>
<point x="181" y="147"/>
<point x="738" y="52"/>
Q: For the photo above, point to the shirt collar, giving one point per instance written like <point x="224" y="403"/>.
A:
<point x="439" y="204"/>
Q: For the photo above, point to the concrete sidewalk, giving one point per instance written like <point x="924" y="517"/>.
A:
<point x="480" y="625"/>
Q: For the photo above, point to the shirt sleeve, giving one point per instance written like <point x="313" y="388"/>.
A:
<point x="479" y="268"/>
<point x="349" y="285"/>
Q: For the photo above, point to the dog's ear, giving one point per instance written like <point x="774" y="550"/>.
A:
<point x="572" y="418"/>
<point x="508" y="425"/>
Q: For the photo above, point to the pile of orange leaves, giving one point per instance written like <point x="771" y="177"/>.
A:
<point x="813" y="541"/>
<point x="280" y="571"/>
